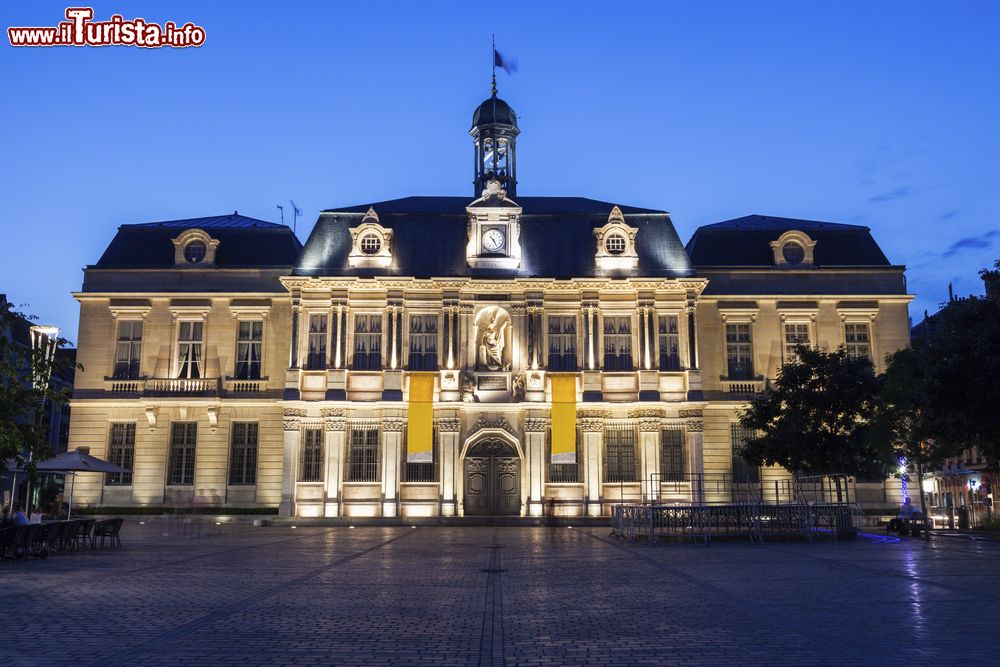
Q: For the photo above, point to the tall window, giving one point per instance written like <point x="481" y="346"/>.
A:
<point x="312" y="456"/>
<point x="249" y="347"/>
<point x="743" y="472"/>
<point x="189" y="349"/>
<point x="619" y="453"/>
<point x="183" y="439"/>
<point x="423" y="342"/>
<point x="669" y="343"/>
<point x="565" y="473"/>
<point x="363" y="454"/>
<point x="857" y="336"/>
<point x="127" y="350"/>
<point x="618" y="343"/>
<point x="121" y="452"/>
<point x="316" y="357"/>
<point x="739" y="352"/>
<point x="795" y="335"/>
<point x="243" y="454"/>
<point x="367" y="342"/>
<point x="425" y="471"/>
<point x="672" y="456"/>
<point x="562" y="343"/>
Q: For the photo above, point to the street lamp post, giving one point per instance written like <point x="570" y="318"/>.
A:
<point x="44" y="342"/>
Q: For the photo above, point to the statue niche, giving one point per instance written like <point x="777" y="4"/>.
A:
<point x="492" y="332"/>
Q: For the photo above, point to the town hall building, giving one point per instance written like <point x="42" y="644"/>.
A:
<point x="486" y="354"/>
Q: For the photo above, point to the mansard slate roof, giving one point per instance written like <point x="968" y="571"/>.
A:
<point x="243" y="243"/>
<point x="430" y="236"/>
<point x="747" y="241"/>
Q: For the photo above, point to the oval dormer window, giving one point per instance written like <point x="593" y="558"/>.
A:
<point x="615" y="244"/>
<point x="371" y="243"/>
<point x="793" y="253"/>
<point x="194" y="252"/>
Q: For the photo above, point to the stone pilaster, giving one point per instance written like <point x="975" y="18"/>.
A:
<point x="534" y="449"/>
<point x="336" y="438"/>
<point x="392" y="441"/>
<point x="448" y="431"/>
<point x="649" y="446"/>
<point x="593" y="435"/>
<point x="290" y="458"/>
<point x="694" y="449"/>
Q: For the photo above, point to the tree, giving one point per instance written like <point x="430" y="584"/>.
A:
<point x="905" y="416"/>
<point x="814" y="417"/>
<point x="23" y="431"/>
<point x="961" y="353"/>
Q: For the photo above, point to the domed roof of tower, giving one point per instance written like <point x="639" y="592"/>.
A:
<point x="494" y="111"/>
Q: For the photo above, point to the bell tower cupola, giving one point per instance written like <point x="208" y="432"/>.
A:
<point x="494" y="135"/>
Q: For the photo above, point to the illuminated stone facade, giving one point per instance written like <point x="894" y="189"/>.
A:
<point x="228" y="366"/>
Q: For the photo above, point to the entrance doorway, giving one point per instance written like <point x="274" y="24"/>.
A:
<point x="492" y="479"/>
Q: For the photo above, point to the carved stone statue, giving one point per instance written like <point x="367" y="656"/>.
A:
<point x="491" y="347"/>
<point x="468" y="389"/>
<point x="517" y="392"/>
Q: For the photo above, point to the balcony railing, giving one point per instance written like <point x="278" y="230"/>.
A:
<point x="124" y="387"/>
<point x="235" y="386"/>
<point x="182" y="386"/>
<point x="743" y="387"/>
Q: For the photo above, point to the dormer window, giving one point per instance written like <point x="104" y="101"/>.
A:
<point x="793" y="252"/>
<point x="793" y="249"/>
<point x="194" y="247"/>
<point x="616" y="243"/>
<point x="371" y="243"/>
<point x="195" y="251"/>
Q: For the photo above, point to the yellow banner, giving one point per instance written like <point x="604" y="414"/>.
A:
<point x="420" y="419"/>
<point x="563" y="417"/>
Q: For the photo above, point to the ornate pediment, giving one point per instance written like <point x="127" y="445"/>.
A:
<point x="496" y="422"/>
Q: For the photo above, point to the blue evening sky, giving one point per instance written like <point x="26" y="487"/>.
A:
<point x="882" y="114"/>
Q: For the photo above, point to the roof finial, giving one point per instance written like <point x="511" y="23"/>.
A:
<point x="493" y="60"/>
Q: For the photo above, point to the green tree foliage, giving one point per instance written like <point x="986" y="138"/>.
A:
<point x="905" y="415"/>
<point x="22" y="431"/>
<point x="814" y="419"/>
<point x="960" y="354"/>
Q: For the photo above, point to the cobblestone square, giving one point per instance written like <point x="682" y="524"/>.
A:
<point x="237" y="595"/>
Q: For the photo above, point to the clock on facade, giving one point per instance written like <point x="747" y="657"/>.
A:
<point x="493" y="240"/>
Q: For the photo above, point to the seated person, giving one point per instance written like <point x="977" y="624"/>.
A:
<point x="18" y="518"/>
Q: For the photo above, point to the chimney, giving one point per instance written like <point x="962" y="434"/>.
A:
<point x="951" y="293"/>
<point x="83" y="450"/>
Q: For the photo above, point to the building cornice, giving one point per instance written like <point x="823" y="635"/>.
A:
<point x="513" y="285"/>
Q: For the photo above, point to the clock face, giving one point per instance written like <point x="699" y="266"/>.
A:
<point x="493" y="240"/>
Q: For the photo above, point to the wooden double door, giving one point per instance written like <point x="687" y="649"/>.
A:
<point x="492" y="480"/>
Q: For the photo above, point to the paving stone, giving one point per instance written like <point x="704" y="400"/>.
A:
<point x="457" y="596"/>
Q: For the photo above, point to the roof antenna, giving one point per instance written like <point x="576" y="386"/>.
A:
<point x="282" y="209"/>
<point x="295" y="215"/>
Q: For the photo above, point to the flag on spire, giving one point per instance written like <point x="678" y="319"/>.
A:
<point x="506" y="64"/>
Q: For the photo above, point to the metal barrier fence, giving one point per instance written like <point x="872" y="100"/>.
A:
<point x="716" y="488"/>
<point x="753" y="520"/>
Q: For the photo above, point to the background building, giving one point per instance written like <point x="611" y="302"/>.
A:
<point x="228" y="366"/>
<point x="55" y="418"/>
